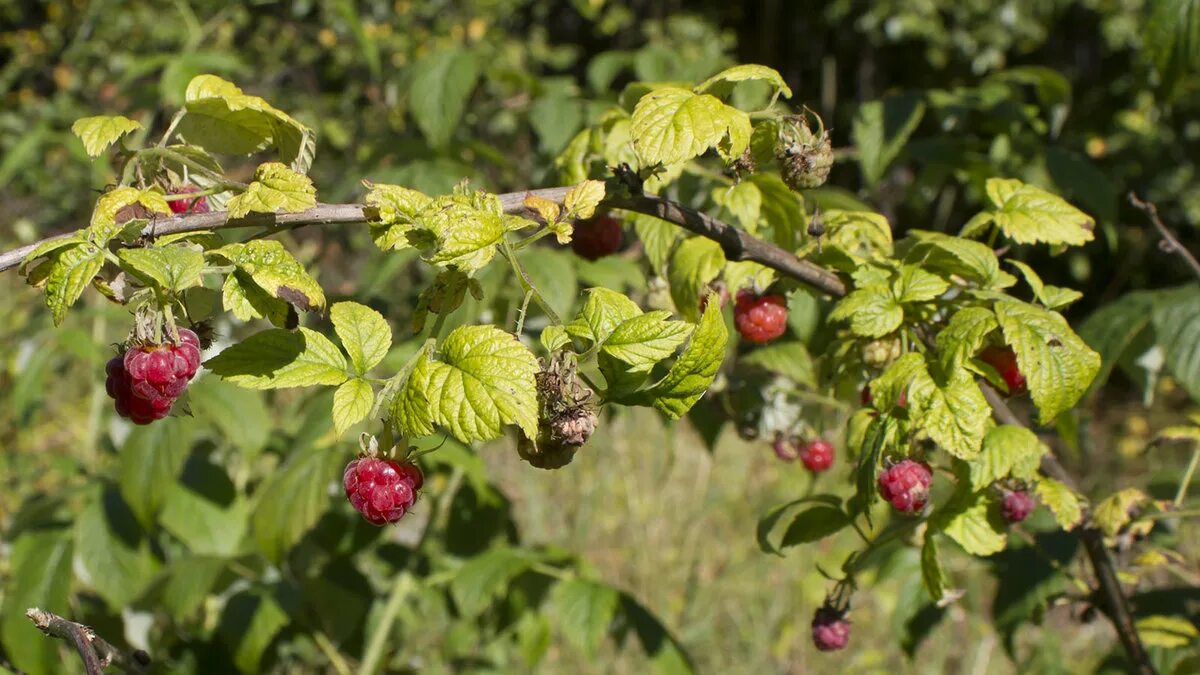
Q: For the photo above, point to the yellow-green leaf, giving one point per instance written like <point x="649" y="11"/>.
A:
<point x="276" y="189"/>
<point x="1030" y="215"/>
<point x="1058" y="365"/>
<point x="101" y="131"/>
<point x="1114" y="512"/>
<point x="71" y="270"/>
<point x="352" y="403"/>
<point x="277" y="358"/>
<point x="747" y="71"/>
<point x="582" y="199"/>
<point x="276" y="271"/>
<point x="1063" y="502"/>
<point x="672" y="125"/>
<point x="364" y="333"/>
<point x="872" y="311"/>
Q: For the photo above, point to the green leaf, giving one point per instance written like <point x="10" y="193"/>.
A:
<point x="862" y="234"/>
<point x="112" y="555"/>
<point x="1172" y="38"/>
<point x="104" y="225"/>
<point x="224" y="120"/>
<point x="71" y="270"/>
<point x="1029" y="215"/>
<point x="1177" y="328"/>
<point x="644" y="340"/>
<point x="814" y="524"/>
<point x="204" y="510"/>
<point x="1058" y="366"/>
<point x="239" y="415"/>
<point x="1168" y="632"/>
<point x="483" y="380"/>
<point x="484" y="578"/>
<point x="743" y="72"/>
<point x="693" y="372"/>
<point x="50" y="246"/>
<point x="964" y="335"/>
<point x="189" y="582"/>
<point x="554" y="337"/>
<point x="410" y="409"/>
<point x="971" y="260"/>
<point x="954" y="414"/>
<point x="364" y="333"/>
<point x="879" y="434"/>
<point x="276" y="271"/>
<point x="658" y="239"/>
<point x="39" y="564"/>
<point x="293" y="499"/>
<point x="872" y="311"/>
<point x="583" y="611"/>
<point x="352" y="403"/>
<point x="1115" y="327"/>
<point x="743" y="274"/>
<point x="1007" y="451"/>
<point x="1062" y="501"/>
<point x="602" y="312"/>
<point x="1052" y="297"/>
<point x="150" y="460"/>
<point x="789" y="359"/>
<point x="672" y="125"/>
<point x="880" y="130"/>
<point x="247" y="300"/>
<point x="696" y="263"/>
<point x="917" y="285"/>
<point x="744" y="201"/>
<point x="666" y="655"/>
<point x="276" y="189"/>
<point x="101" y="131"/>
<point x="399" y="207"/>
<point x="276" y="359"/>
<point x="894" y="381"/>
<point x="171" y="268"/>
<point x="441" y="85"/>
<point x="250" y="621"/>
<point x="1113" y="513"/>
<point x="932" y="574"/>
<point x="966" y="522"/>
<point x="582" y="199"/>
<point x="466" y="227"/>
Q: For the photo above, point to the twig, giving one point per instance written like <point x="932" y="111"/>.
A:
<point x="97" y="654"/>
<point x="1172" y="243"/>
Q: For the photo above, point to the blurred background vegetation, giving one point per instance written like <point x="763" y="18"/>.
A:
<point x="926" y="100"/>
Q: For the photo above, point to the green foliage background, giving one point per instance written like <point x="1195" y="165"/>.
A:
<point x="214" y="540"/>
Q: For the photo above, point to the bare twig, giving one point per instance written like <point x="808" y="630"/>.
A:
<point x="96" y="653"/>
<point x="1170" y="241"/>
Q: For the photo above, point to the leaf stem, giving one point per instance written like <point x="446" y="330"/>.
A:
<point x="1186" y="481"/>
<point x="526" y="284"/>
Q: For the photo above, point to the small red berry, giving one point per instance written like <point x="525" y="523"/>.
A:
<point x="830" y="629"/>
<point x="382" y="490"/>
<point x="760" y="318"/>
<point x="817" y="455"/>
<point x="906" y="485"/>
<point x="1017" y="505"/>
<point x="596" y="237"/>
<point x="193" y="205"/>
<point x="1004" y="360"/>
<point x="784" y="448"/>
<point x="146" y="381"/>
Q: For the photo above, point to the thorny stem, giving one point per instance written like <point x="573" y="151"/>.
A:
<point x="1173" y="245"/>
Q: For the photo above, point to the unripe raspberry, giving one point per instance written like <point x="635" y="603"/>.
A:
<point x="830" y="629"/>
<point x="784" y="448"/>
<point x="879" y="353"/>
<point x="192" y="205"/>
<point x="1017" y="505"/>
<point x="760" y="318"/>
<point x="596" y="237"/>
<point x="807" y="156"/>
<point x="817" y="455"/>
<point x="906" y="485"/>
<point x="382" y="490"/>
<point x="1004" y="360"/>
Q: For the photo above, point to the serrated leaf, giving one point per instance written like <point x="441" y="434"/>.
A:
<point x="276" y="271"/>
<point x="880" y="130"/>
<point x="879" y="434"/>
<point x="693" y="372"/>
<point x="601" y="313"/>
<point x="1062" y="501"/>
<point x="276" y="188"/>
<point x="410" y="409"/>
<point x="863" y="235"/>
<point x="223" y="119"/>
<point x="917" y="285"/>
<point x="351" y="404"/>
<point x="671" y="125"/>
<point x="1030" y="215"/>
<point x="1007" y="451"/>
<point x="894" y="381"/>
<point x="971" y="260"/>
<point x="964" y="335"/>
<point x="746" y="274"/>
<point x="583" y="611"/>
<point x="1052" y="297"/>
<point x="171" y="268"/>
<point x="954" y="414"/>
<point x="276" y="359"/>
<point x="782" y="208"/>
<point x="813" y="524"/>
<point x="696" y="263"/>
<point x="398" y="208"/>
<point x="150" y="460"/>
<point x="71" y="270"/>
<point x="644" y="340"/>
<point x="467" y="228"/>
<point x="104" y="225"/>
<point x="1176" y="319"/>
<point x="872" y="311"/>
<point x="1113" y="513"/>
<point x="554" y="337"/>
<point x="485" y="577"/>
<point x="247" y="300"/>
<point x="969" y="526"/>
<point x="747" y="71"/>
<point x="744" y="201"/>
<point x="482" y="380"/>
<point x="547" y="209"/>
<point x="932" y="574"/>
<point x="789" y="359"/>
<point x="49" y="246"/>
<point x="441" y="84"/>
<point x="1058" y="365"/>
<point x="101" y="131"/>
<point x="112" y="554"/>
<point x="204" y="511"/>
<point x="292" y="499"/>
<point x="364" y="333"/>
<point x="582" y="199"/>
<point x="658" y="240"/>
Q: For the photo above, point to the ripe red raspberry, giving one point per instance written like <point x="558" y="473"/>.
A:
<point x="1005" y="362"/>
<point x="906" y="485"/>
<point x="193" y="205"/>
<point x="382" y="490"/>
<point x="830" y="629"/>
<point x="760" y="318"/>
<point x="817" y="455"/>
<point x="784" y="448"/>
<point x="1017" y="505"/>
<point x="147" y="379"/>
<point x="596" y="237"/>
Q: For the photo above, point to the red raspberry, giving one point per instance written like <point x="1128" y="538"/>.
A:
<point x="1005" y="362"/>
<point x="146" y="381"/>
<point x="830" y="629"/>
<point x="785" y="449"/>
<point x="596" y="237"/>
<point x="906" y="485"/>
<point x="817" y="455"/>
<point x="139" y="409"/>
<point x="1017" y="505"/>
<point x="194" y="205"/>
<point x="760" y="318"/>
<point x="383" y="490"/>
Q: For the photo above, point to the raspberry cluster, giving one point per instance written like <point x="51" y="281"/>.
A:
<point x="817" y="455"/>
<point x="382" y="490"/>
<point x="194" y="205"/>
<point x="597" y="237"/>
<point x="1017" y="505"/>
<point x="906" y="485"/>
<point x="830" y="629"/>
<point x="147" y="379"/>
<point x="760" y="318"/>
